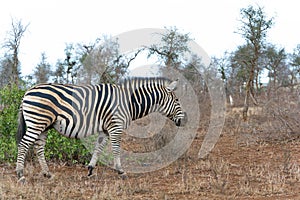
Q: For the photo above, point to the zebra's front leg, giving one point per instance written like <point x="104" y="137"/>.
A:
<point x="39" y="146"/>
<point x="100" y="144"/>
<point x="115" y="139"/>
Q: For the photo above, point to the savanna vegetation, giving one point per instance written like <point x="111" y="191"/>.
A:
<point x="256" y="157"/>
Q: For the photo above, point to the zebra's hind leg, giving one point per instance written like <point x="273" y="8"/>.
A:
<point x="100" y="144"/>
<point x="22" y="151"/>
<point x="27" y="140"/>
<point x="39" y="146"/>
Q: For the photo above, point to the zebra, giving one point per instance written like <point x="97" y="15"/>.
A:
<point x="78" y="111"/>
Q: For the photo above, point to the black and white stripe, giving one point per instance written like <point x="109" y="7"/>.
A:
<point x="79" y="111"/>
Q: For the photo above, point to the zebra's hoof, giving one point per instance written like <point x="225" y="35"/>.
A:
<point x="22" y="180"/>
<point x="90" y="168"/>
<point x="48" y="175"/>
<point x="123" y="176"/>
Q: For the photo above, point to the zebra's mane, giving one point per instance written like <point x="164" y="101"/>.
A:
<point x="140" y="81"/>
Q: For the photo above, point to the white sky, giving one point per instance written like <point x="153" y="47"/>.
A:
<point x="212" y="23"/>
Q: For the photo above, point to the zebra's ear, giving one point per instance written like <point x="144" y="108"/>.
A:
<point x="172" y="86"/>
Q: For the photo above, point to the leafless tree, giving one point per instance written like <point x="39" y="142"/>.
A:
<point x="102" y="61"/>
<point x="172" y="47"/>
<point x="254" y="27"/>
<point x="12" y="43"/>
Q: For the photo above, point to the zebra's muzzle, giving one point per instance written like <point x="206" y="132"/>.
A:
<point x="182" y="121"/>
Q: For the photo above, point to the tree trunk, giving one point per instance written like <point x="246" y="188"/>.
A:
<point x="15" y="72"/>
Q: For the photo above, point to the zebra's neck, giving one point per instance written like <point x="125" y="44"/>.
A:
<point x="144" y="95"/>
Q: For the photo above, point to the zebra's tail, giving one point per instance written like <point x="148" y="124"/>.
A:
<point x="21" y="127"/>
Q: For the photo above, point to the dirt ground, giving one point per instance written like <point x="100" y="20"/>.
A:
<point x="239" y="167"/>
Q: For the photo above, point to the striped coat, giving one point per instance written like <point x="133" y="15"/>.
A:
<point x="79" y="111"/>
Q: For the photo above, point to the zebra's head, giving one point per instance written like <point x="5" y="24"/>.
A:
<point x="171" y="106"/>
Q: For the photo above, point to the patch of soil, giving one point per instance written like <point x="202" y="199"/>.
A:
<point x="232" y="170"/>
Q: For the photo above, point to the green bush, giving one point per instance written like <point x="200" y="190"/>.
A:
<point x="10" y="98"/>
<point x="62" y="149"/>
<point x="58" y="147"/>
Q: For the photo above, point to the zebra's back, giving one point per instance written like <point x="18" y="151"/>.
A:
<point x="74" y="111"/>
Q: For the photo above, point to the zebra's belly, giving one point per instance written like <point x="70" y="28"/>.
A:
<point x="78" y="130"/>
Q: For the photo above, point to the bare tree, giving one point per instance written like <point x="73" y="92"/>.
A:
<point x="12" y="43"/>
<point x="254" y="27"/>
<point x="102" y="61"/>
<point x="172" y="47"/>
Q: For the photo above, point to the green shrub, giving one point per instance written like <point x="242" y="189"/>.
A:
<point x="10" y="98"/>
<point x="59" y="148"/>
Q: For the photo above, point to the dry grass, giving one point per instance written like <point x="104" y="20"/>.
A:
<point x="255" y="171"/>
<point x="245" y="164"/>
